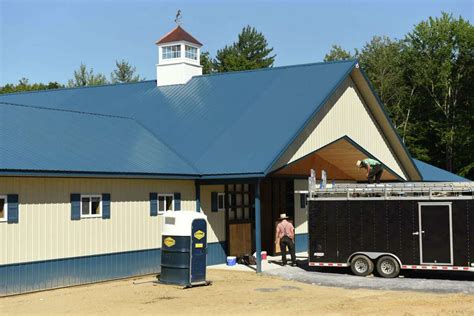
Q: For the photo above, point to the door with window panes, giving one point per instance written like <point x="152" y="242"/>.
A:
<point x="240" y="215"/>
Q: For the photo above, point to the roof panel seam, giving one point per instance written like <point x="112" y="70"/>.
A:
<point x="63" y="110"/>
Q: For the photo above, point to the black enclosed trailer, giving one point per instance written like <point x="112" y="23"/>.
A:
<point x="388" y="227"/>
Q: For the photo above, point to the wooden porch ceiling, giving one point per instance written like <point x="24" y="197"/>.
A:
<point x="338" y="159"/>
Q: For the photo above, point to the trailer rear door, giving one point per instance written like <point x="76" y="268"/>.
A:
<point x="435" y="233"/>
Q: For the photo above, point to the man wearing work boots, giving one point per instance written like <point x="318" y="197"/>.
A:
<point x="374" y="169"/>
<point x="285" y="233"/>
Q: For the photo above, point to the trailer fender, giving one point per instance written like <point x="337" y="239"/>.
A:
<point x="374" y="256"/>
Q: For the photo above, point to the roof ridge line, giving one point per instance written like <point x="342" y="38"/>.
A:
<point x="168" y="146"/>
<point x="276" y="68"/>
<point x="63" y="110"/>
<point x="74" y="88"/>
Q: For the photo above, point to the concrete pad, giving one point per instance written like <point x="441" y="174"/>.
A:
<point x="409" y="280"/>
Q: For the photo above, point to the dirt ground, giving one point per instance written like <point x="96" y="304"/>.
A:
<point x="233" y="293"/>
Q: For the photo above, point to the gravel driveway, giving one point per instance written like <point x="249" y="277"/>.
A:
<point x="410" y="280"/>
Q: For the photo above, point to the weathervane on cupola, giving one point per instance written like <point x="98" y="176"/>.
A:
<point x="178" y="56"/>
<point x="178" y="17"/>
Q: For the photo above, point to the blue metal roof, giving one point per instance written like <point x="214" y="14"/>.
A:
<point x="39" y="139"/>
<point x="222" y="124"/>
<point x="432" y="173"/>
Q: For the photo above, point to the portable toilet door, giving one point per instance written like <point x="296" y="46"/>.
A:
<point x="198" y="251"/>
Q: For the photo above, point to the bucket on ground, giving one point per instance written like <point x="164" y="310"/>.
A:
<point x="231" y="261"/>
<point x="184" y="248"/>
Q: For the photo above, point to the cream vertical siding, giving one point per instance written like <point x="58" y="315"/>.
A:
<point x="45" y="229"/>
<point x="301" y="214"/>
<point x="344" y="114"/>
<point x="216" y="220"/>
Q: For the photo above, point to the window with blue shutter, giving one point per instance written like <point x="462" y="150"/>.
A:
<point x="106" y="205"/>
<point x="12" y="204"/>
<point x="177" y="201"/>
<point x="75" y="206"/>
<point x="153" y="204"/>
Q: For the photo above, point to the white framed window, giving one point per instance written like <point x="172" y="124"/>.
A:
<point x="191" y="52"/>
<point x="3" y="208"/>
<point x="220" y="201"/>
<point x="91" y="205"/>
<point x="170" y="52"/>
<point x="165" y="202"/>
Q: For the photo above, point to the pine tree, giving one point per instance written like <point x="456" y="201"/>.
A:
<point x="124" y="73"/>
<point x="251" y="51"/>
<point x="84" y="77"/>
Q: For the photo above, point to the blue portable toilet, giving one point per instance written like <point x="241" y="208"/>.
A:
<point x="184" y="248"/>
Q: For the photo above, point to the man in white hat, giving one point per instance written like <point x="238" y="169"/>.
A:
<point x="374" y="169"/>
<point x="285" y="232"/>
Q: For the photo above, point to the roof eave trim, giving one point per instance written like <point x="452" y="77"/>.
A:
<point x="83" y="174"/>
<point x="233" y="175"/>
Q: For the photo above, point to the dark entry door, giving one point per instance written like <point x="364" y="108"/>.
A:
<point x="435" y="233"/>
<point x="198" y="250"/>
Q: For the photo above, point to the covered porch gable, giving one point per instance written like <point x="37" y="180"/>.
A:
<point x="338" y="160"/>
<point x="352" y="113"/>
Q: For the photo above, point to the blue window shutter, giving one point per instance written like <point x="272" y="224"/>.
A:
<point x="75" y="206"/>
<point x="105" y="205"/>
<point x="302" y="200"/>
<point x="153" y="204"/>
<point x="214" y="202"/>
<point x="177" y="201"/>
<point x="12" y="200"/>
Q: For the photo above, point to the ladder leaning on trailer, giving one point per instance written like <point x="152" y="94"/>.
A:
<point x="391" y="226"/>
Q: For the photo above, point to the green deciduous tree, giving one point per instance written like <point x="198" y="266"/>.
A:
<point x="425" y="81"/>
<point x="251" y="51"/>
<point x="338" y="53"/>
<point x="85" y="77"/>
<point x="24" y="85"/>
<point x="124" y="72"/>
<point x="440" y="66"/>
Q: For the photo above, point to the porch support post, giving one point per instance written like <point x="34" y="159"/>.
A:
<point x="198" y="195"/>
<point x="258" y="229"/>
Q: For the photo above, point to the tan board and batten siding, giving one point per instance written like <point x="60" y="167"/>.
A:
<point x="216" y="220"/>
<point x="45" y="230"/>
<point x="301" y="214"/>
<point x="343" y="115"/>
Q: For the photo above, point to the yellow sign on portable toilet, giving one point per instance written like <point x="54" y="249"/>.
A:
<point x="199" y="235"/>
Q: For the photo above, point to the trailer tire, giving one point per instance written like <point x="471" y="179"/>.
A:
<point x="388" y="267"/>
<point x="361" y="265"/>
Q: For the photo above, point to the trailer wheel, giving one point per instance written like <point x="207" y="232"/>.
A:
<point x="388" y="267"/>
<point x="362" y="265"/>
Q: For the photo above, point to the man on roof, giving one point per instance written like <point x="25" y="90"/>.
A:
<point x="374" y="169"/>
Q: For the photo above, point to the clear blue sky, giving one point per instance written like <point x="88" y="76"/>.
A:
<point x="46" y="40"/>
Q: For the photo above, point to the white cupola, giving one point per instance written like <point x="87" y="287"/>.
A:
<point x="178" y="58"/>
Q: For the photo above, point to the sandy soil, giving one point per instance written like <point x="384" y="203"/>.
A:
<point x="233" y="293"/>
